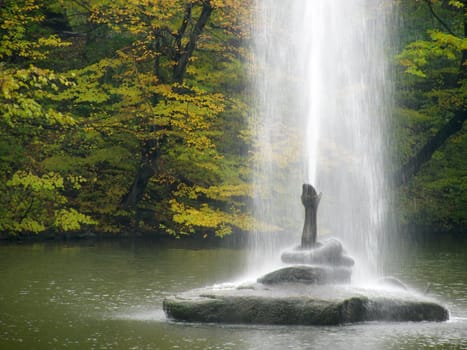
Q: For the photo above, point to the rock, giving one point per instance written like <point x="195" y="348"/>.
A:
<point x="386" y="309"/>
<point x="307" y="275"/>
<point x="345" y="260"/>
<point x="259" y="310"/>
<point x="329" y="252"/>
<point x="299" y="307"/>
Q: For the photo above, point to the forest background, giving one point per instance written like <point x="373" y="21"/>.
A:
<point x="134" y="117"/>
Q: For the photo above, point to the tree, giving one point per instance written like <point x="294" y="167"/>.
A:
<point x="136" y="110"/>
<point x="431" y="111"/>
<point x="433" y="60"/>
<point x="162" y="96"/>
<point x="34" y="200"/>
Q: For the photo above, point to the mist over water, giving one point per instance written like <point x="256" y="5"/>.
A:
<point x="322" y="101"/>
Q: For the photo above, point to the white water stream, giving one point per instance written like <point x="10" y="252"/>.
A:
<point x="322" y="97"/>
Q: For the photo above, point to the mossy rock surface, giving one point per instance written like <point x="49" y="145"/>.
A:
<point x="297" y="306"/>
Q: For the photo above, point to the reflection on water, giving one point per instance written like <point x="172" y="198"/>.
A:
<point x="109" y="295"/>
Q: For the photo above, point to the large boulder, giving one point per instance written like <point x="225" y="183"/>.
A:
<point x="263" y="310"/>
<point x="298" y="304"/>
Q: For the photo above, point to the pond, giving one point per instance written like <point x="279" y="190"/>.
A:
<point x="108" y="295"/>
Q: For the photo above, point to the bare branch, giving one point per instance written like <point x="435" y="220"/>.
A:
<point x="435" y="15"/>
<point x="183" y="27"/>
<point x="180" y="67"/>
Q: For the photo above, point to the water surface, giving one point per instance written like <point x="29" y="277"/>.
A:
<point x="108" y="295"/>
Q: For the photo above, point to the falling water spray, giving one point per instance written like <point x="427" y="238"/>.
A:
<point x="321" y="95"/>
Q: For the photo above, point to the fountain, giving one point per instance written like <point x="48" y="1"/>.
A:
<point x="321" y="101"/>
<point x="322" y="98"/>
<point x="313" y="289"/>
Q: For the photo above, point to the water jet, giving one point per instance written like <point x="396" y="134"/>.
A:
<point x="322" y="109"/>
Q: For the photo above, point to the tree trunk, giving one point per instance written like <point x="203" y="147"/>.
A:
<point x="413" y="165"/>
<point x="147" y="169"/>
<point x="187" y="52"/>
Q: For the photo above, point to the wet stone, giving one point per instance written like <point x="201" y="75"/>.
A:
<point x="307" y="275"/>
<point x="329" y="252"/>
<point x="274" y="305"/>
